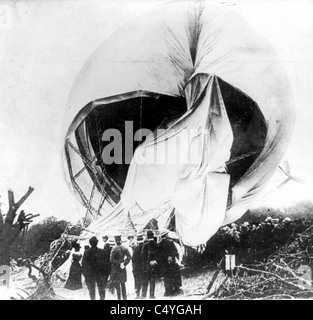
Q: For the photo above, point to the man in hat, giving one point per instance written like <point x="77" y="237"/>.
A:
<point x="169" y="267"/>
<point x="137" y="264"/>
<point x="94" y="269"/>
<point x="107" y="248"/>
<point x="149" y="257"/>
<point x="120" y="257"/>
<point x="110" y="285"/>
<point x="106" y="257"/>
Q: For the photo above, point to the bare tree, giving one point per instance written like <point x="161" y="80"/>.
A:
<point x="10" y="227"/>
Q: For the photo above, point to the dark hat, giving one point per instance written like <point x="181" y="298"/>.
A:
<point x="93" y="241"/>
<point x="118" y="237"/>
<point x="150" y="234"/>
<point x="105" y="237"/>
<point x="76" y="245"/>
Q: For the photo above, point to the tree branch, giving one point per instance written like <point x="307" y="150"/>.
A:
<point x="22" y="200"/>
<point x="1" y="215"/>
<point x="39" y="269"/>
<point x="12" y="211"/>
<point x="22" y="222"/>
<point x="11" y="198"/>
<point x="248" y="289"/>
<point x="15" y="231"/>
<point x="273" y="275"/>
<point x="13" y="207"/>
<point x="287" y="269"/>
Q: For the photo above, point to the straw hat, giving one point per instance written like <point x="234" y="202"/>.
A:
<point x="139" y="237"/>
<point x="164" y="233"/>
<point x="111" y="242"/>
<point x="172" y="235"/>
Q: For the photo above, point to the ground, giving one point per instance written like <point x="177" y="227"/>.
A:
<point x="194" y="287"/>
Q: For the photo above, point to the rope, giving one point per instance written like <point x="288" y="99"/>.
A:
<point x="242" y="156"/>
<point x="89" y="212"/>
<point x="55" y="247"/>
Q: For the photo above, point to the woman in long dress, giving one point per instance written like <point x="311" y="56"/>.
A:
<point x="74" y="281"/>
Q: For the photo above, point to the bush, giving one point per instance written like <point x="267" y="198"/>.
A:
<point x="37" y="240"/>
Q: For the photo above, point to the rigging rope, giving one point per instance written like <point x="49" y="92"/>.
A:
<point x="55" y="247"/>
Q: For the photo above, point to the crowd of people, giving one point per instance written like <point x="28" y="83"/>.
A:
<point x="152" y="256"/>
<point x="156" y="256"/>
<point x="254" y="240"/>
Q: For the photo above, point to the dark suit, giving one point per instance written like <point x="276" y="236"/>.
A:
<point x="119" y="255"/>
<point x="149" y="257"/>
<point x="95" y="271"/>
<point x="137" y="267"/>
<point x="107" y="263"/>
<point x="169" y="268"/>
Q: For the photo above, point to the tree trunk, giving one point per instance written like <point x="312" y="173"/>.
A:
<point x="5" y="244"/>
<point x="9" y="230"/>
<point x="4" y="253"/>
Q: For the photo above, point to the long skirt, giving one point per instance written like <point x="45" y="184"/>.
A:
<point x="74" y="281"/>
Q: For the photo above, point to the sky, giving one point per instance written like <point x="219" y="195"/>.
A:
<point x="44" y="45"/>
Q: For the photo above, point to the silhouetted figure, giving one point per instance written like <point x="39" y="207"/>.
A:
<point x="137" y="265"/>
<point x="149" y="256"/>
<point x="94" y="269"/>
<point x="74" y="281"/>
<point x="28" y="264"/>
<point x="169" y="267"/>
<point x="110" y="284"/>
<point x="107" y="253"/>
<point x="107" y="250"/>
<point x="120" y="257"/>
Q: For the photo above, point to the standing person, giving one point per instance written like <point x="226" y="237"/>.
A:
<point x="74" y="280"/>
<point x="107" y="248"/>
<point x="137" y="265"/>
<point x="110" y="284"/>
<point x="176" y="275"/>
<point x="94" y="270"/>
<point x="169" y="267"/>
<point x="131" y="242"/>
<point x="149" y="258"/>
<point x="107" y="252"/>
<point x="120" y="257"/>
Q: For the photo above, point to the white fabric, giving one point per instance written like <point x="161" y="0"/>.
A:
<point x="197" y="187"/>
<point x="177" y="50"/>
